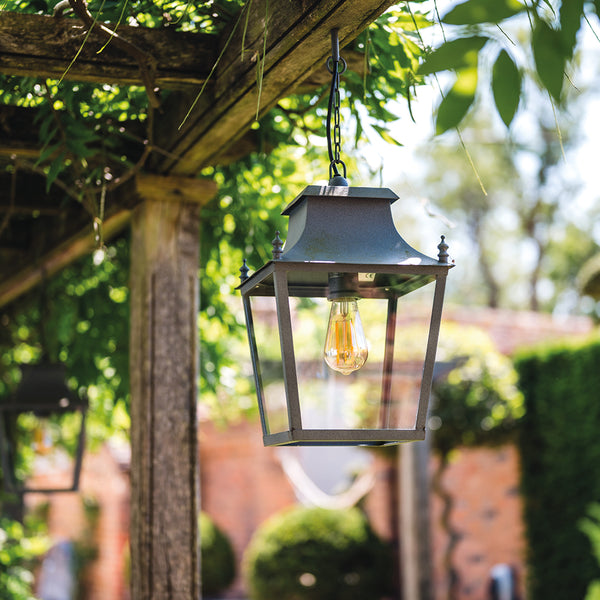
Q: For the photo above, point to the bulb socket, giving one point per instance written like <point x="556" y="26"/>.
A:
<point x="342" y="285"/>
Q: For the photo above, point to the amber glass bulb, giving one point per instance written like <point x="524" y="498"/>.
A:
<point x="42" y="442"/>
<point x="345" y="345"/>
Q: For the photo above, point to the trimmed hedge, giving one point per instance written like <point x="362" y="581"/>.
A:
<point x="559" y="441"/>
<point x="318" y="554"/>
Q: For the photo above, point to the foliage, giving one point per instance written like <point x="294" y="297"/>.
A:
<point x="478" y="402"/>
<point x="590" y="525"/>
<point x="478" y="39"/>
<point x="528" y="234"/>
<point x="217" y="558"/>
<point x="560" y="451"/>
<point x="317" y="554"/>
<point x="18" y="551"/>
<point x="79" y="318"/>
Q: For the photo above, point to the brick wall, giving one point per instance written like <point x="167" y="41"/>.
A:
<point x="486" y="516"/>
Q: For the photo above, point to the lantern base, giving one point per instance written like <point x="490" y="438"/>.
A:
<point x="343" y="437"/>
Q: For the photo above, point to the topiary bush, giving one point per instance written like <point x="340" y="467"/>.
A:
<point x="217" y="558"/>
<point x="318" y="554"/>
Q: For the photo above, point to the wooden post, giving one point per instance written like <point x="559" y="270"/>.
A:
<point x="415" y="551"/>
<point x="165" y="562"/>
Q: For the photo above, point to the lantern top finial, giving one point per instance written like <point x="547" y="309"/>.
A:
<point x="277" y="244"/>
<point x="443" y="255"/>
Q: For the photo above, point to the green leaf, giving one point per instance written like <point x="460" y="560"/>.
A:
<point x="571" y="13"/>
<point x="46" y="153"/>
<point x="597" y="7"/>
<point x="549" y="57"/>
<point x="57" y="165"/>
<point x="383" y="132"/>
<point x="458" y="100"/>
<point x="474" y="12"/>
<point x="456" y="54"/>
<point x="506" y="86"/>
<point x="414" y="22"/>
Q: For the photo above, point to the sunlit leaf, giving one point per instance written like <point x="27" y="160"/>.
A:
<point x="457" y="101"/>
<point x="456" y="54"/>
<point x="506" y="86"/>
<point x="549" y="57"/>
<point x="474" y="12"/>
<point x="385" y="135"/>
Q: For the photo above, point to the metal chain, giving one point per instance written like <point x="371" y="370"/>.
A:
<point x="337" y="130"/>
<point x="338" y="66"/>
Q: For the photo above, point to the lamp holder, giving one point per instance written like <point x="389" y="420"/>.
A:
<point x="342" y="285"/>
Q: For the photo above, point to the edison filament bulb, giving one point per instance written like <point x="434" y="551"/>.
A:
<point x="345" y="344"/>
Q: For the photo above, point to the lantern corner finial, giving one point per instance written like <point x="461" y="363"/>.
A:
<point x="244" y="270"/>
<point x="277" y="246"/>
<point x="443" y="255"/>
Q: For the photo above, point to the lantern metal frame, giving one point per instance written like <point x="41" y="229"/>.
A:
<point x="42" y="391"/>
<point x="343" y="230"/>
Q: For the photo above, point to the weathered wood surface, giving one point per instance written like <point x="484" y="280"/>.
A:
<point x="298" y="42"/>
<point x="40" y="45"/>
<point x="165" y="561"/>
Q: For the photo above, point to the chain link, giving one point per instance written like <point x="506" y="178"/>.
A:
<point x="334" y="134"/>
<point x="337" y="130"/>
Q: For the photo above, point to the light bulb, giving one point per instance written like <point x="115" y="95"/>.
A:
<point x="42" y="442"/>
<point x="345" y="345"/>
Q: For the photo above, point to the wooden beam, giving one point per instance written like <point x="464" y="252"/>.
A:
<point x="297" y="42"/>
<point x="19" y="136"/>
<point x="58" y="258"/>
<point x="175" y="189"/>
<point x="44" y="46"/>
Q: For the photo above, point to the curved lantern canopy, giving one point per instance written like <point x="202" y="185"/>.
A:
<point x="42" y="404"/>
<point x="336" y="359"/>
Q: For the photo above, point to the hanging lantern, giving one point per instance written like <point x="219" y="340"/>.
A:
<point x="335" y="359"/>
<point x="40" y="419"/>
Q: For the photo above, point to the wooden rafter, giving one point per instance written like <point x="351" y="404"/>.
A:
<point x="39" y="45"/>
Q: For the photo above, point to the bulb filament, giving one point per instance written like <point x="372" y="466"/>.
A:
<point x="346" y="347"/>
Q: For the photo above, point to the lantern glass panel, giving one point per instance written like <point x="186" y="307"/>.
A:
<point x="45" y="448"/>
<point x="365" y="398"/>
<point x="266" y="332"/>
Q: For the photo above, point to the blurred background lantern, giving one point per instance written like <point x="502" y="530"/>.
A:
<point x="42" y="426"/>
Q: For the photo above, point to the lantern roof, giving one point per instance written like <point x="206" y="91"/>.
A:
<point x="339" y="224"/>
<point x="43" y="388"/>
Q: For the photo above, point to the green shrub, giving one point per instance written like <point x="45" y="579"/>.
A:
<point x="590" y="525"/>
<point x="560" y="452"/>
<point x="18" y="556"/>
<point x="318" y="554"/>
<point x="217" y="558"/>
<point x="478" y="403"/>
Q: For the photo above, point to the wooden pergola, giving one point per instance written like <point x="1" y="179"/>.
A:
<point x="162" y="207"/>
